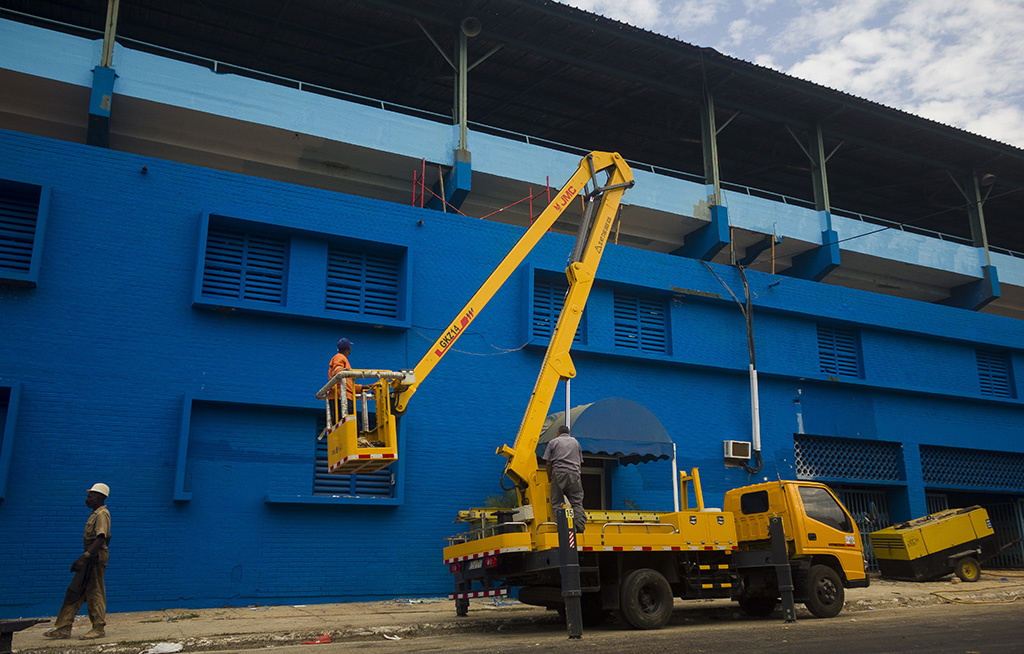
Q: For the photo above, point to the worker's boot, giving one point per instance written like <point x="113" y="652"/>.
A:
<point x="57" y="633"/>
<point x="93" y="633"/>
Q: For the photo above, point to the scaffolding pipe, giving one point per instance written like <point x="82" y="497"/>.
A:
<point x="109" y="34"/>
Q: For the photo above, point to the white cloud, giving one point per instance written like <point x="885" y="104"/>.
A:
<point x="670" y="18"/>
<point x="639" y="13"/>
<point x="742" y="30"/>
<point x="955" y="62"/>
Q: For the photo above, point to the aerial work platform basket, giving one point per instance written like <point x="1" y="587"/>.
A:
<point x="954" y="541"/>
<point x="365" y="440"/>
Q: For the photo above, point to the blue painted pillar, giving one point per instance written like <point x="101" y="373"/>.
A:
<point x="909" y="502"/>
<point x="975" y="295"/>
<point x="816" y="264"/>
<point x="706" y="242"/>
<point x="457" y="183"/>
<point x="100" y="102"/>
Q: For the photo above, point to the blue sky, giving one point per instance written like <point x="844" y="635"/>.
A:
<point x="954" y="61"/>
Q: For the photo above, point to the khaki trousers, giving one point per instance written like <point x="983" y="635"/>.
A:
<point x="95" y="598"/>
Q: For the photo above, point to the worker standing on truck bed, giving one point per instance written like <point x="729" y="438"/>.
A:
<point x="563" y="459"/>
<point x="338" y="363"/>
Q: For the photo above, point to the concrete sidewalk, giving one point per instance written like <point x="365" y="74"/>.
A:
<point x="257" y="626"/>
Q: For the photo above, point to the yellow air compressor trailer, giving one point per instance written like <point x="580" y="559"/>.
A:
<point x="948" y="542"/>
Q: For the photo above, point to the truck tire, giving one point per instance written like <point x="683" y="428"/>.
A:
<point x="968" y="569"/>
<point x="645" y="599"/>
<point x="758" y="607"/>
<point x="825" y="594"/>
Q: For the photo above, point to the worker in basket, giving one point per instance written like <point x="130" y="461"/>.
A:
<point x="340" y="362"/>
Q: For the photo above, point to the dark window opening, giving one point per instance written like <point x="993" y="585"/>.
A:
<point x="751" y="503"/>
<point x="641" y="323"/>
<point x="244" y="265"/>
<point x="838" y="352"/>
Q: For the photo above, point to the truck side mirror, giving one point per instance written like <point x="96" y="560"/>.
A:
<point x="872" y="513"/>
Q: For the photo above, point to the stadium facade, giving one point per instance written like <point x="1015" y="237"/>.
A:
<point x="888" y="345"/>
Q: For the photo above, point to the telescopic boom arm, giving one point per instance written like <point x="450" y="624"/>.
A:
<point x="620" y="178"/>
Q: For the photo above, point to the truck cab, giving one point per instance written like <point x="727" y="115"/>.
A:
<point x="823" y="543"/>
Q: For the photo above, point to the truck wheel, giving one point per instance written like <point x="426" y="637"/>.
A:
<point x="968" y="569"/>
<point x="825" y="594"/>
<point x="759" y="607"/>
<point x="645" y="599"/>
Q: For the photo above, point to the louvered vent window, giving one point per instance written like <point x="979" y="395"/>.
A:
<point x="19" y="211"/>
<point x="360" y="484"/>
<point x="641" y="323"/>
<point x="994" y="373"/>
<point x="365" y="283"/>
<point x="548" y="299"/>
<point x="244" y="265"/>
<point x="838" y="353"/>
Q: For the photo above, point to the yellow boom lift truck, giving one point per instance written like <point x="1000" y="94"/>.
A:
<point x="787" y="540"/>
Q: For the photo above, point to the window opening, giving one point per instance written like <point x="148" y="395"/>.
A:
<point x="366" y="283"/>
<point x="751" y="503"/>
<point x="548" y="300"/>
<point x="838" y="352"/>
<point x="244" y="265"/>
<point x="19" y="213"/>
<point x="994" y="373"/>
<point x="641" y="323"/>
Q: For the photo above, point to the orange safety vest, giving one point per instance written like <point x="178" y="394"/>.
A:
<point x="340" y="362"/>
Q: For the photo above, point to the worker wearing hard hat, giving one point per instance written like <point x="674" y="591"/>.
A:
<point x="338" y="363"/>
<point x="87" y="585"/>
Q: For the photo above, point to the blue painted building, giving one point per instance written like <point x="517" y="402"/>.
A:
<point x="177" y="261"/>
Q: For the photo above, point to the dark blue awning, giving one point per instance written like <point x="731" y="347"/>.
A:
<point x="614" y="428"/>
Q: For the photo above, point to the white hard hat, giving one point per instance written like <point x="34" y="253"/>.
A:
<point x="102" y="489"/>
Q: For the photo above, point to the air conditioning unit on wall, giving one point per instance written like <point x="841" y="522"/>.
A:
<point x="737" y="449"/>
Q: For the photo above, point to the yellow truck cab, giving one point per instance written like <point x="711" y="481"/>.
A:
<point x="823" y="543"/>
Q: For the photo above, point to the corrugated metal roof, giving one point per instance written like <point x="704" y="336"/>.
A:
<point x="579" y="79"/>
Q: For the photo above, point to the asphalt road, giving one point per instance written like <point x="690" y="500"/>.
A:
<point x="936" y="629"/>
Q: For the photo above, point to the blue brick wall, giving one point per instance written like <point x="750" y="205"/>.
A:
<point x="110" y="343"/>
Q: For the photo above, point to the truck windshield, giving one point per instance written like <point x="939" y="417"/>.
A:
<point x="821" y="506"/>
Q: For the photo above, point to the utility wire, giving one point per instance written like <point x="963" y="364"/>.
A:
<point x="477" y="354"/>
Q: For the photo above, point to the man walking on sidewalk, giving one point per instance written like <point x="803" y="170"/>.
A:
<point x="87" y="585"/>
<point x="563" y="460"/>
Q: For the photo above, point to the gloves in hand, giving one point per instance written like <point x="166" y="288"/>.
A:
<point x="80" y="563"/>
